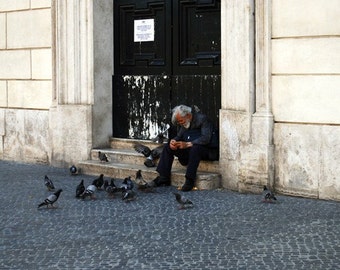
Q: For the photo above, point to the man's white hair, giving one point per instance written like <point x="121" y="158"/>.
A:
<point x="181" y="110"/>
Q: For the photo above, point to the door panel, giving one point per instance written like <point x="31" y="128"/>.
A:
<point x="142" y="58"/>
<point x="197" y="37"/>
<point x="138" y="112"/>
<point x="180" y="66"/>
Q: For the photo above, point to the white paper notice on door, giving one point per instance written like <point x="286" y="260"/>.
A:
<point x="144" y="30"/>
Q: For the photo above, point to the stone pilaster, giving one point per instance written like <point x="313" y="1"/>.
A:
<point x="246" y="119"/>
<point x="71" y="113"/>
<point x="81" y="115"/>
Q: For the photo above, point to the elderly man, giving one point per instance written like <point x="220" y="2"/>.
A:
<point x="190" y="145"/>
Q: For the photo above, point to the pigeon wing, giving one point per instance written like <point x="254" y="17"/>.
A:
<point x="156" y="152"/>
<point x="143" y="149"/>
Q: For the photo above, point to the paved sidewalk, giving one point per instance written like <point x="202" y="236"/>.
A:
<point x="224" y="230"/>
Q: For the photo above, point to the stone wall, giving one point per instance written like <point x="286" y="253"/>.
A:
<point x="306" y="94"/>
<point x="280" y="119"/>
<point x="25" y="79"/>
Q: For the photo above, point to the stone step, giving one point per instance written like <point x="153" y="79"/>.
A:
<point x="204" y="181"/>
<point x="124" y="161"/>
<point x="118" y="143"/>
<point x="130" y="156"/>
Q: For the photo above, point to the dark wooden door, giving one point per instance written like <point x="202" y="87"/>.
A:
<point x="166" y="53"/>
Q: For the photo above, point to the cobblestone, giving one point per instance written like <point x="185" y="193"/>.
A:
<point x="224" y="230"/>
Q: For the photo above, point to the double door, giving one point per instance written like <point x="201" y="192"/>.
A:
<point x="166" y="53"/>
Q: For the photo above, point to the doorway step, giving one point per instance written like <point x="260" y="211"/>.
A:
<point x="124" y="161"/>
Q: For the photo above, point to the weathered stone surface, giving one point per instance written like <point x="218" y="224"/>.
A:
<point x="307" y="160"/>
<point x="329" y="183"/>
<point x="70" y="129"/>
<point x="26" y="136"/>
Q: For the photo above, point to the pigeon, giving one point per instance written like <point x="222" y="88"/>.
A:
<point x="113" y="186"/>
<point x="49" y="183"/>
<point x="73" y="170"/>
<point x="141" y="183"/>
<point x="103" y="157"/>
<point x="156" y="152"/>
<point x="268" y="196"/>
<point x="110" y="188"/>
<point x="51" y="199"/>
<point x="143" y="149"/>
<point x="99" y="182"/>
<point x="139" y="178"/>
<point x="106" y="184"/>
<point x="89" y="192"/>
<point x="149" y="154"/>
<point x="80" y="189"/>
<point x="128" y="195"/>
<point x="182" y="201"/>
<point x="127" y="184"/>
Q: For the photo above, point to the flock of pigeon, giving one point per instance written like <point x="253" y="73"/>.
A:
<point x="126" y="189"/>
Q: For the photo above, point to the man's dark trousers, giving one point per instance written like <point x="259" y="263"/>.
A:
<point x="189" y="157"/>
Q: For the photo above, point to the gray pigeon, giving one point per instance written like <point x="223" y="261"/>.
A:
<point x="48" y="183"/>
<point x="149" y="154"/>
<point x="182" y="201"/>
<point x="73" y="170"/>
<point x="51" y="199"/>
<point x="127" y="184"/>
<point x="141" y="183"/>
<point x="103" y="157"/>
<point x="89" y="192"/>
<point x="128" y="195"/>
<point x="156" y="152"/>
<point x="80" y="189"/>
<point x="268" y="196"/>
<point x="110" y="188"/>
<point x="143" y="149"/>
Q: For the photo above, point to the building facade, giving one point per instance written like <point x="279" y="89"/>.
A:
<point x="279" y="120"/>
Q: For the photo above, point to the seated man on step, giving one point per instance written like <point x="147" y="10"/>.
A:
<point x="190" y="145"/>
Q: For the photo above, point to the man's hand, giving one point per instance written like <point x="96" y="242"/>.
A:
<point x="184" y="145"/>
<point x="173" y="144"/>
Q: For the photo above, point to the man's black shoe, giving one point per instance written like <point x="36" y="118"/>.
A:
<point x="188" y="185"/>
<point x="161" y="181"/>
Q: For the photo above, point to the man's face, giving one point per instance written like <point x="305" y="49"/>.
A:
<point x="184" y="121"/>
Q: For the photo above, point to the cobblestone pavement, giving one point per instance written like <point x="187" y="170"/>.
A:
<point x="223" y="230"/>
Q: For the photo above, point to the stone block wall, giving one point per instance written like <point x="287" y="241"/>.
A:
<point x="305" y="94"/>
<point x="25" y="79"/>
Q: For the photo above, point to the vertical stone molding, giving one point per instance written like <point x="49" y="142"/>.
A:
<point x="71" y="113"/>
<point x="73" y="51"/>
<point x="238" y="69"/>
<point x="262" y="119"/>
<point x="246" y="117"/>
<point x="263" y="59"/>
